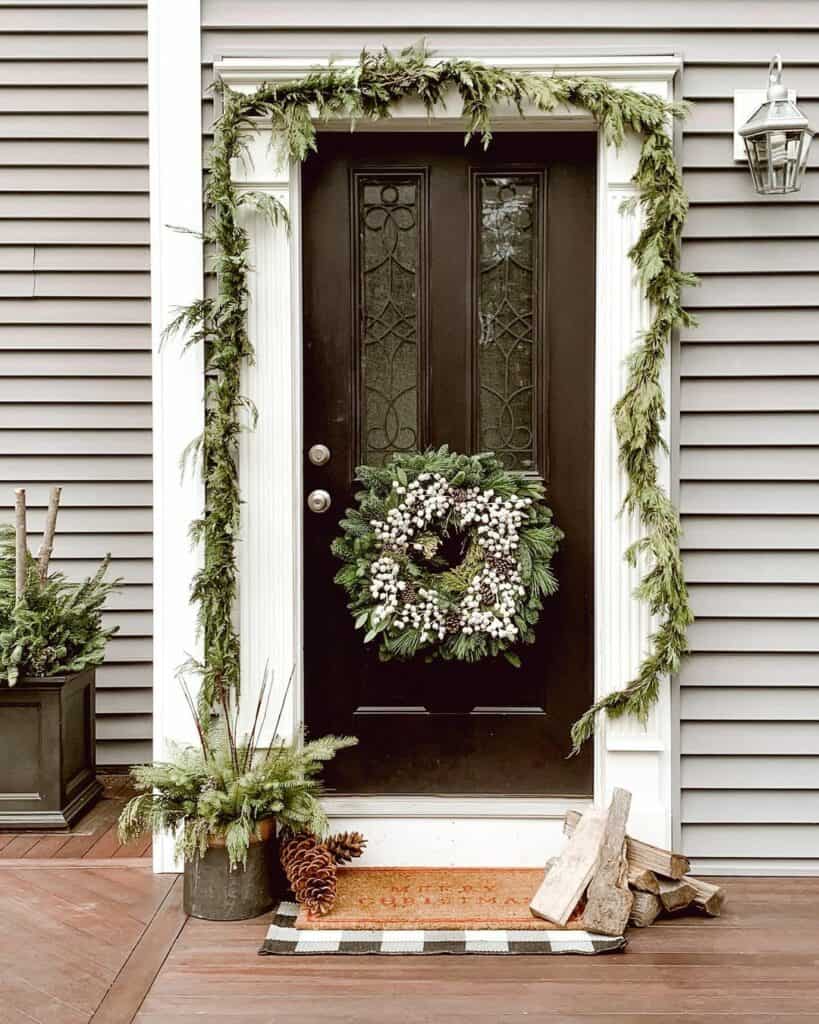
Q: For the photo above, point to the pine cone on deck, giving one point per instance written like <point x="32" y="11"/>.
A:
<point x="344" y="846"/>
<point x="311" y="872"/>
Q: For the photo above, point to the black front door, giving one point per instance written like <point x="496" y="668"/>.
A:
<point x="449" y="298"/>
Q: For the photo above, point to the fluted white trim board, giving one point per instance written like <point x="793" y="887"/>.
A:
<point x="175" y="143"/>
<point x="451" y="830"/>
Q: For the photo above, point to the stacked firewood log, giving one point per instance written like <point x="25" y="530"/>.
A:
<point x="604" y="880"/>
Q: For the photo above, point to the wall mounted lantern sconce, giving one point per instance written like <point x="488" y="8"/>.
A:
<point x="777" y="139"/>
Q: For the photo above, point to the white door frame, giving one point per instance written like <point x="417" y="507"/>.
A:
<point x="442" y="830"/>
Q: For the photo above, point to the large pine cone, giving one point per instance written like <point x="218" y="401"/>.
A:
<point x="345" y="846"/>
<point x="311" y="872"/>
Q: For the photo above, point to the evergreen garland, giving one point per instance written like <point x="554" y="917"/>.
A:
<point x="368" y="91"/>
<point x="406" y="595"/>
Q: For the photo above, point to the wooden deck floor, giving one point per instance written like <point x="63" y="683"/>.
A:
<point x="109" y="944"/>
<point x="93" y="837"/>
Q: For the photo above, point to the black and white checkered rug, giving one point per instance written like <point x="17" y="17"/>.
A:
<point x="284" y="939"/>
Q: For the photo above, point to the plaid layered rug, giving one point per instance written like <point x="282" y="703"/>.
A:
<point x="284" y="939"/>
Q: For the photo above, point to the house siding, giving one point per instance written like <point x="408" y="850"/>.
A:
<point x="75" y="351"/>
<point x="746" y="397"/>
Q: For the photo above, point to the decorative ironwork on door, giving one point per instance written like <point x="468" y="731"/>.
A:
<point x="507" y="291"/>
<point x="390" y="295"/>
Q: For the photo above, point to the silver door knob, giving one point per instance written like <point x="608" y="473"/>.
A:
<point x="319" y="454"/>
<point x="318" y="501"/>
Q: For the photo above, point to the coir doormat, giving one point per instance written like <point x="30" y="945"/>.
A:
<point x="428" y="911"/>
<point x="406" y="898"/>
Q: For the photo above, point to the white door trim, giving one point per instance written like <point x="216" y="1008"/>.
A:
<point x="450" y="830"/>
<point x="175" y="147"/>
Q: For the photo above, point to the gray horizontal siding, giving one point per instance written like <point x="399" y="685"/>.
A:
<point x="75" y="350"/>
<point x="749" y="459"/>
<point x="748" y="409"/>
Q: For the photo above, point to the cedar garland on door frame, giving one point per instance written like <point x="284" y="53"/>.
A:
<point x="368" y="91"/>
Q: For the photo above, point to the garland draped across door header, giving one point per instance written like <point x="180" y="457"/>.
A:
<point x="368" y="91"/>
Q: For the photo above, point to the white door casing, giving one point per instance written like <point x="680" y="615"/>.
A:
<point x="432" y="830"/>
<point x="177" y="379"/>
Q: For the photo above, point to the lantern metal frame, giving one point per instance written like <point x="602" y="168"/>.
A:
<point x="777" y="138"/>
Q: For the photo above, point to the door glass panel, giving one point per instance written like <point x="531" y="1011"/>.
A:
<point x="390" y="326"/>
<point x="508" y="331"/>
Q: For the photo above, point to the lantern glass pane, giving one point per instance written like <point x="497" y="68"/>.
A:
<point x="777" y="159"/>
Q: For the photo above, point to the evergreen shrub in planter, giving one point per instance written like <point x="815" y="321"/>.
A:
<point x="225" y="799"/>
<point x="51" y="640"/>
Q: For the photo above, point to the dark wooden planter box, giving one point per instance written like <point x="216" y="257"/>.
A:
<point x="47" y="751"/>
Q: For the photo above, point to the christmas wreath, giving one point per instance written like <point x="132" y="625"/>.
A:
<point x="447" y="555"/>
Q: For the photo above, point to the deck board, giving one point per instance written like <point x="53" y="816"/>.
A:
<point x="66" y="936"/>
<point x="751" y="965"/>
<point x="90" y="938"/>
<point x="93" y="837"/>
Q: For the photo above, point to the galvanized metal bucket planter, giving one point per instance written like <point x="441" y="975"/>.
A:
<point x="215" y="893"/>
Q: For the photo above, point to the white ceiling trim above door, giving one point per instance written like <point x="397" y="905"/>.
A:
<point x="469" y="830"/>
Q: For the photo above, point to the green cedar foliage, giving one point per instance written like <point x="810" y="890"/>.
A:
<point x="368" y="91"/>
<point x="224" y="787"/>
<point x="56" y="627"/>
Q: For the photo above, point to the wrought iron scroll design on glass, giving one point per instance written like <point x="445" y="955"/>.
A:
<point x="508" y="350"/>
<point x="389" y="311"/>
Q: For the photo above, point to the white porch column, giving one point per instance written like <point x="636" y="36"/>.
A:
<point x="627" y="754"/>
<point x="178" y="380"/>
<point x="269" y="456"/>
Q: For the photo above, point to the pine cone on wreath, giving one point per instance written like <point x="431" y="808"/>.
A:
<point x="345" y="846"/>
<point x="487" y="594"/>
<point x="504" y="567"/>
<point x="409" y="595"/>
<point x="453" y="622"/>
<point x="311" y="872"/>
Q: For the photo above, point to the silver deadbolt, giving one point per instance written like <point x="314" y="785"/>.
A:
<point x="318" y="501"/>
<point x="319" y="454"/>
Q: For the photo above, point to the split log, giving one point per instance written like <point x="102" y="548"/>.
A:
<point x="645" y="909"/>
<point x="709" y="898"/>
<point x="676" y="894"/>
<point x="642" y="881"/>
<point x="641" y="856"/>
<point x="21" y="543"/>
<point x="566" y="881"/>
<point x="47" y="546"/>
<point x="608" y="901"/>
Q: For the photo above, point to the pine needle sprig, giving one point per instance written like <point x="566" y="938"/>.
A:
<point x="56" y="627"/>
<point x="224" y="787"/>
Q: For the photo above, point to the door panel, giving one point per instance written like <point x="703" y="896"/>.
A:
<point x="449" y="298"/>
